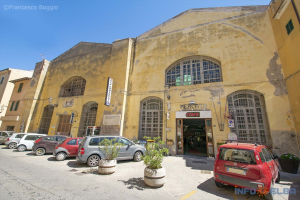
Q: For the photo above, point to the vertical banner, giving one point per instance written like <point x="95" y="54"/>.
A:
<point x="108" y="91"/>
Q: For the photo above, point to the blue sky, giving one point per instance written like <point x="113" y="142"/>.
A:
<point x="26" y="34"/>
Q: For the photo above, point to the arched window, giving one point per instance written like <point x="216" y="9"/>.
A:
<point x="75" y="86"/>
<point x="88" y="116"/>
<point x="247" y="108"/>
<point x="194" y="70"/>
<point x="46" y="119"/>
<point x="151" y="118"/>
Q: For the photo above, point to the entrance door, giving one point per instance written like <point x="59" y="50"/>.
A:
<point x="64" y="126"/>
<point x="209" y="138"/>
<point x="179" y="137"/>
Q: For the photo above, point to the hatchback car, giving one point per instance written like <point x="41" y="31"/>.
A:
<point x="27" y="141"/>
<point x="67" y="148"/>
<point x="90" y="153"/>
<point x="4" y="135"/>
<point x="246" y="165"/>
<point x="46" y="144"/>
<point x="12" y="141"/>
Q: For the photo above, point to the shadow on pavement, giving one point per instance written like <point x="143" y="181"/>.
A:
<point x="5" y="147"/>
<point x="135" y="183"/>
<point x="75" y="164"/>
<point x="199" y="163"/>
<point x="120" y="162"/>
<point x="227" y="191"/>
<point x="31" y="154"/>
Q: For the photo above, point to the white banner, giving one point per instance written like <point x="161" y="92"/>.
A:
<point x="108" y="91"/>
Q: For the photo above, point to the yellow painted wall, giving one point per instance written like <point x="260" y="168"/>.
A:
<point x="246" y="48"/>
<point x="289" y="51"/>
<point x="21" y="97"/>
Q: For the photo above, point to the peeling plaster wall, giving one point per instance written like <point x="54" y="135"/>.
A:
<point x="289" y="51"/>
<point x="241" y="40"/>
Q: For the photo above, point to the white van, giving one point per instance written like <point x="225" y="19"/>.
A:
<point x="27" y="141"/>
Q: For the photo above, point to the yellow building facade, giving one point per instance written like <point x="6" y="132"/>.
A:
<point x="284" y="16"/>
<point x="186" y="80"/>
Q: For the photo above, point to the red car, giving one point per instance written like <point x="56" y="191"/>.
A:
<point x="246" y="165"/>
<point x="67" y="148"/>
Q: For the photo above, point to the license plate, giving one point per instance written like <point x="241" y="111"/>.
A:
<point x="236" y="171"/>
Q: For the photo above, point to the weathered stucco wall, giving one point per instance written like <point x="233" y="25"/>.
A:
<point x="78" y="61"/>
<point x="247" y="51"/>
<point x="289" y="51"/>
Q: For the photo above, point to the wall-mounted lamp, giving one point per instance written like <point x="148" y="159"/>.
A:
<point x="192" y="102"/>
<point x="50" y="100"/>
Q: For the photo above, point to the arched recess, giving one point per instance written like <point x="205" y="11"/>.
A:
<point x="75" y="86"/>
<point x="248" y="110"/>
<point x="151" y="117"/>
<point x="46" y="119"/>
<point x="194" y="70"/>
<point x="88" y="116"/>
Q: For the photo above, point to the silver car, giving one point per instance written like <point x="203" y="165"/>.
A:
<point x="4" y="135"/>
<point x="89" y="152"/>
<point x="13" y="140"/>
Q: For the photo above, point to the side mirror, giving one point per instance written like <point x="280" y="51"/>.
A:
<point x="275" y="156"/>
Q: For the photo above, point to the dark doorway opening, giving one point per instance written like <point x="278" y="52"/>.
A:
<point x="194" y="137"/>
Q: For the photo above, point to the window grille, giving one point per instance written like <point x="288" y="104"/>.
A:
<point x="46" y="119"/>
<point x="88" y="117"/>
<point x="75" y="86"/>
<point x="195" y="70"/>
<point x="247" y="108"/>
<point x="151" y="118"/>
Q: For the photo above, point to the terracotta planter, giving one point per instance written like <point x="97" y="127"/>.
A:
<point x="107" y="166"/>
<point x="170" y="143"/>
<point x="155" y="177"/>
<point x="290" y="166"/>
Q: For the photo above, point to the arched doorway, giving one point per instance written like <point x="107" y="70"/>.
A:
<point x="88" y="116"/>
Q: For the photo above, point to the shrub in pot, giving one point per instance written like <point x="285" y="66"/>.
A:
<point x="111" y="149"/>
<point x="154" y="173"/>
<point x="289" y="163"/>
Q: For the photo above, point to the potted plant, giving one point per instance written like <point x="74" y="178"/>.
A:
<point x="110" y="148"/>
<point x="289" y="163"/>
<point x="170" y="142"/>
<point x="154" y="173"/>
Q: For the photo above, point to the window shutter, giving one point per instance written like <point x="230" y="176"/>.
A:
<point x="2" y="80"/>
<point x="12" y="105"/>
<point x="20" y="87"/>
<point x="17" y="104"/>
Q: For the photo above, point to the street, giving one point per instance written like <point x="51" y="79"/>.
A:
<point x="27" y="176"/>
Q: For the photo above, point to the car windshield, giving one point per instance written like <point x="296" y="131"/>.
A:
<point x="237" y="155"/>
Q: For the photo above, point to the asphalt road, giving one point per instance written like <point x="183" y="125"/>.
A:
<point x="24" y="175"/>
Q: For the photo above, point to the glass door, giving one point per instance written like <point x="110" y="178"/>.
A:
<point x="179" y="136"/>
<point x="209" y="138"/>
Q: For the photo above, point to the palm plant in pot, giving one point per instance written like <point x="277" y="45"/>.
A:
<point x="289" y="163"/>
<point x="154" y="173"/>
<point x="111" y="149"/>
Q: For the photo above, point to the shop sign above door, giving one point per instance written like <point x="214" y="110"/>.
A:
<point x="193" y="106"/>
<point x="188" y="114"/>
<point x="192" y="114"/>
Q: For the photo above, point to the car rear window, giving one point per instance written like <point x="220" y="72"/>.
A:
<point x="95" y="141"/>
<point x="19" y="135"/>
<point x="237" y="155"/>
<point x="48" y="138"/>
<point x="59" y="138"/>
<point x="31" y="137"/>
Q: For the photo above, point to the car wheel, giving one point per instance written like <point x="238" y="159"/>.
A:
<point x="218" y="184"/>
<point x="278" y="178"/>
<point x="93" y="161"/>
<point x="22" y="148"/>
<point x="12" y="145"/>
<point x="40" y="151"/>
<point x="137" y="156"/>
<point x="61" y="156"/>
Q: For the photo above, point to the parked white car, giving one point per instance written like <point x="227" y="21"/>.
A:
<point x="27" y="141"/>
<point x="12" y="141"/>
<point x="4" y="135"/>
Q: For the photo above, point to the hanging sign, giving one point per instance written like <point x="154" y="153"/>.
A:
<point x="232" y="136"/>
<point x="231" y="123"/>
<point x="72" y="117"/>
<point x="108" y="91"/>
